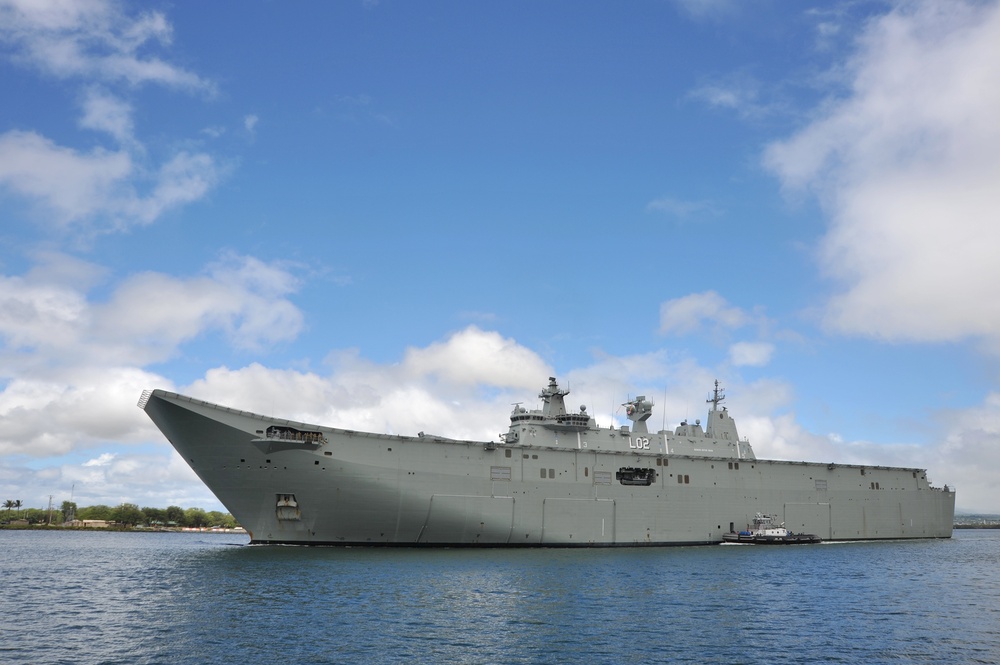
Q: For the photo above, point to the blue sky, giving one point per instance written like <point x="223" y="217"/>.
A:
<point x="405" y="216"/>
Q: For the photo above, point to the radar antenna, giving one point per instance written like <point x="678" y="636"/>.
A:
<point x="718" y="396"/>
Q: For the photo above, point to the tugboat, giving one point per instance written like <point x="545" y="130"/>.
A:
<point x="764" y="532"/>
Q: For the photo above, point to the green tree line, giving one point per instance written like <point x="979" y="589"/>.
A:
<point x="126" y="514"/>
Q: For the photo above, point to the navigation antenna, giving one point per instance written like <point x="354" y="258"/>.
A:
<point x="663" y="425"/>
<point x="717" y="396"/>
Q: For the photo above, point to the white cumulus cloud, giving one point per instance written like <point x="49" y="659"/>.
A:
<point x="98" y="46"/>
<point x="689" y="313"/>
<point x="101" y="460"/>
<point x="752" y="354"/>
<point x="77" y="188"/>
<point x="907" y="163"/>
<point x="92" y="39"/>
<point x="72" y="366"/>
<point x="107" y="113"/>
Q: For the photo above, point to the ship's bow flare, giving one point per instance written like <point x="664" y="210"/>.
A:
<point x="215" y="442"/>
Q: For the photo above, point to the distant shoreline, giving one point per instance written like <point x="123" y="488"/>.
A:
<point x="53" y="527"/>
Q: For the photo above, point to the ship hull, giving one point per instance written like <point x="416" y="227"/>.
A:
<point x="354" y="488"/>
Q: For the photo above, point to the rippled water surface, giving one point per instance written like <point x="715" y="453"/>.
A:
<point x="80" y="597"/>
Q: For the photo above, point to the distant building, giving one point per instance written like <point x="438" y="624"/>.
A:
<point x="89" y="524"/>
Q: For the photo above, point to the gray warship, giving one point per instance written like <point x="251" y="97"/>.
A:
<point x="553" y="479"/>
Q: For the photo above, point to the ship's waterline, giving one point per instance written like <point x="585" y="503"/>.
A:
<point x="553" y="479"/>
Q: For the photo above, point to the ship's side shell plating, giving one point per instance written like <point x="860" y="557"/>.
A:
<point x="555" y="479"/>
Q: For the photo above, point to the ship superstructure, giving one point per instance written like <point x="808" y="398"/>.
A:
<point x="554" y="478"/>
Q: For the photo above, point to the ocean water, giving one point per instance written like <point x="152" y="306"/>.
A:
<point x="134" y="598"/>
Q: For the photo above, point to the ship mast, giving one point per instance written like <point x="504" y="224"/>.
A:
<point x="717" y="396"/>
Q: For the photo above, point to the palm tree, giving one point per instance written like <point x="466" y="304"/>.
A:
<point x="8" y="504"/>
<point x="18" y="504"/>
